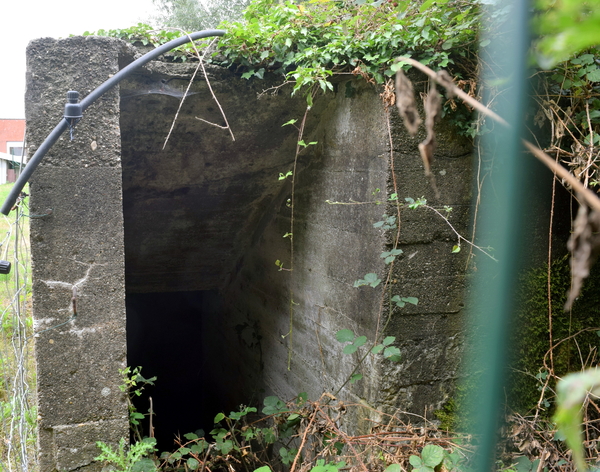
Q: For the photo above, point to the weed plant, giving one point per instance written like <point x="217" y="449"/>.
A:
<point x="17" y="370"/>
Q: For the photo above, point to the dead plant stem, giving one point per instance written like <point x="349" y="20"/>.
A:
<point x="445" y="80"/>
<point x="304" y="437"/>
<point x="200" y="65"/>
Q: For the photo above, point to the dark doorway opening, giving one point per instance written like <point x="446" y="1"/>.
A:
<point x="166" y="335"/>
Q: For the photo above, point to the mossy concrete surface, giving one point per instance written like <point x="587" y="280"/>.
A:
<point x="207" y="214"/>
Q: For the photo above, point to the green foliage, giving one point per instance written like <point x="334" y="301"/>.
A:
<point x="414" y="204"/>
<point x="146" y="36"/>
<point x="370" y="279"/>
<point x="401" y="301"/>
<point x="131" y="459"/>
<point x="390" y="256"/>
<point x="531" y="335"/>
<point x="524" y="464"/>
<point x="385" y="348"/>
<point x="388" y="222"/>
<point x="133" y="385"/>
<point x="320" y="466"/>
<point x="273" y="406"/>
<point x="309" y="41"/>
<point x="197" y="15"/>
<point x="572" y="392"/>
<point x="234" y="436"/>
<point x="566" y="28"/>
<point x="434" y="458"/>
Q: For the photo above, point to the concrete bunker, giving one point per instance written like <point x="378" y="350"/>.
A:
<point x="152" y="237"/>
<point x="192" y="209"/>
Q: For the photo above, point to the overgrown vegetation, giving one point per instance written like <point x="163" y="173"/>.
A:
<point x="307" y="43"/>
<point x="17" y="373"/>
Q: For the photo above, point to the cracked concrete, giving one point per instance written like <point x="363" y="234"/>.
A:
<point x="205" y="218"/>
<point x="78" y="257"/>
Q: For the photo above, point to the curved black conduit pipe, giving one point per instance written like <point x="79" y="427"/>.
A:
<point x="87" y="101"/>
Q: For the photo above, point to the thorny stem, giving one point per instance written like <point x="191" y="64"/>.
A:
<point x="304" y="436"/>
<point x="458" y="235"/>
<point x="234" y="438"/>
<point x="344" y="436"/>
<point x="292" y="208"/>
<point x="549" y="286"/>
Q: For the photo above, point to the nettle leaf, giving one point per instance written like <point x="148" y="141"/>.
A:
<point x="388" y="340"/>
<point x="432" y="455"/>
<point x="415" y="461"/>
<point x="360" y="341"/>
<point x="393" y="468"/>
<point x="345" y="335"/>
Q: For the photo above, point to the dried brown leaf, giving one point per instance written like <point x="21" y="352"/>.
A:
<point x="426" y="149"/>
<point x="584" y="245"/>
<point x="405" y="101"/>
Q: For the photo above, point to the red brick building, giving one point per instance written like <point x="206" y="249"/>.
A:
<point x="12" y="133"/>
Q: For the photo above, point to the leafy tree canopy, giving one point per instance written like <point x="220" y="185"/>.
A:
<point x="196" y="15"/>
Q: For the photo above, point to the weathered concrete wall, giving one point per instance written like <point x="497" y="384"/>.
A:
<point x="336" y="244"/>
<point x="203" y="221"/>
<point x="80" y="244"/>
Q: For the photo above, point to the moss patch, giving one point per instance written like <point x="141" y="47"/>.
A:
<point x="531" y="333"/>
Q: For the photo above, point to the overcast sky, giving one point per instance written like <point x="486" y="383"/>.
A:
<point x="24" y="20"/>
